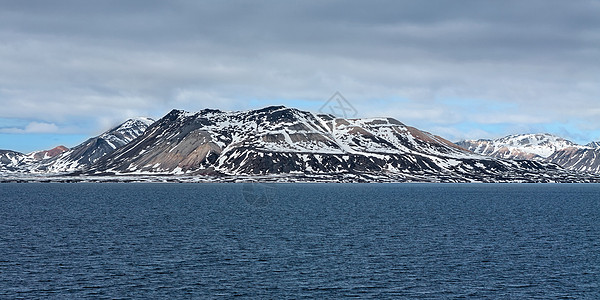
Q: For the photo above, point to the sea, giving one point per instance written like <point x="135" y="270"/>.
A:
<point x="299" y="240"/>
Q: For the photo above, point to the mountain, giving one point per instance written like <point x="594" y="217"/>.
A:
<point x="14" y="161"/>
<point x="520" y="146"/>
<point x="293" y="144"/>
<point x="283" y="144"/>
<point x="46" y="154"/>
<point x="88" y="152"/>
<point x="10" y="160"/>
<point x="540" y="147"/>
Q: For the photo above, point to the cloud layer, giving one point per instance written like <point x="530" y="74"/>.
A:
<point x="33" y="127"/>
<point x="466" y="69"/>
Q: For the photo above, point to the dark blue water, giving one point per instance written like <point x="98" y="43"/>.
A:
<point x="299" y="240"/>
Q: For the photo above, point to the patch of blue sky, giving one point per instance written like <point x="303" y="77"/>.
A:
<point x="572" y="131"/>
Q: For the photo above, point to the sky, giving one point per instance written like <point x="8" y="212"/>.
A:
<point x="70" y="70"/>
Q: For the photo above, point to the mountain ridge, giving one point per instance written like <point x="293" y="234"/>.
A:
<point x="277" y="140"/>
<point x="62" y="159"/>
<point x="286" y="144"/>
<point x="12" y="160"/>
<point x="88" y="152"/>
<point x="519" y="146"/>
<point x="542" y="147"/>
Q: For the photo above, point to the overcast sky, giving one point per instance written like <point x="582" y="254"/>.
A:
<point x="459" y="69"/>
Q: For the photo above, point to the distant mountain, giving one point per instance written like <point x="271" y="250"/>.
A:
<point x="540" y="147"/>
<point x="280" y="141"/>
<point x="520" y="146"/>
<point x="10" y="160"/>
<point x="46" y="154"/>
<point x="88" y="152"/>
<point x="14" y="161"/>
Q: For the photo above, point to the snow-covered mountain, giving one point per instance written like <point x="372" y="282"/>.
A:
<point x="10" y="160"/>
<point x="289" y="144"/>
<point x="45" y="154"/>
<point x="292" y="143"/>
<point x="15" y="161"/>
<point x="540" y="147"/>
<point x="519" y="146"/>
<point x="90" y="151"/>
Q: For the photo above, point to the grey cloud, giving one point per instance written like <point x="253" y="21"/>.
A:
<point x="71" y="59"/>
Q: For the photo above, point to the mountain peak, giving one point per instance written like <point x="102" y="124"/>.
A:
<point x="276" y="139"/>
<point x="130" y="127"/>
<point x="271" y="108"/>
<point x="146" y="120"/>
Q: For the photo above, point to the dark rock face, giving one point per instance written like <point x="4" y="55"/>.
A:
<point x="577" y="159"/>
<point x="594" y="145"/>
